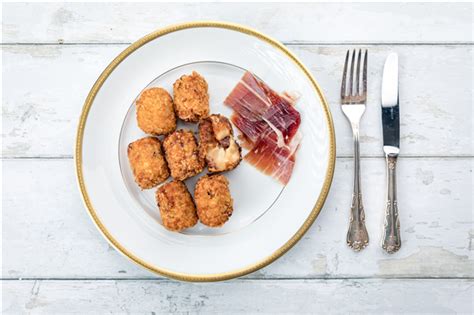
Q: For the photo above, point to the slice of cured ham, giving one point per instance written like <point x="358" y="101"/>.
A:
<point x="252" y="130"/>
<point x="269" y="125"/>
<point x="248" y="98"/>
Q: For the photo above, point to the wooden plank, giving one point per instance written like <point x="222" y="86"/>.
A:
<point x="41" y="120"/>
<point x="48" y="234"/>
<point x="312" y="22"/>
<point x="232" y="297"/>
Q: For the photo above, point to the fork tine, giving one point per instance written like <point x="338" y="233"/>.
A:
<point x="343" y="84"/>
<point x="351" y="75"/>
<point x="364" y="76"/>
<point x="357" y="86"/>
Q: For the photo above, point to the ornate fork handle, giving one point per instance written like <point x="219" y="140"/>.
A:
<point x="357" y="236"/>
<point x="391" y="241"/>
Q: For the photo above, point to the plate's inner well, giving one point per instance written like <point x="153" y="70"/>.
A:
<point x="253" y="192"/>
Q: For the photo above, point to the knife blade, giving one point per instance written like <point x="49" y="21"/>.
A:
<point x="391" y="241"/>
<point x="390" y="106"/>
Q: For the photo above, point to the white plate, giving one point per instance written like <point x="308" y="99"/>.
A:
<point x="268" y="218"/>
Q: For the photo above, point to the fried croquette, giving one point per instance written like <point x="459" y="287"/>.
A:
<point x="147" y="162"/>
<point x="155" y="112"/>
<point x="217" y="144"/>
<point x="213" y="201"/>
<point x="191" y="98"/>
<point x="182" y="154"/>
<point x="176" y="206"/>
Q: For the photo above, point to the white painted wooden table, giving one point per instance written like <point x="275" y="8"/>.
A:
<point x="54" y="259"/>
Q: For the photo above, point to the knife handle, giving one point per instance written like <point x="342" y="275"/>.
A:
<point x="391" y="241"/>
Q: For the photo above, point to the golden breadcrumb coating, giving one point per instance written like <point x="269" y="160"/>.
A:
<point x="191" y="98"/>
<point x="217" y="144"/>
<point x="176" y="206"/>
<point x="182" y="154"/>
<point x="155" y="112"/>
<point x="213" y="200"/>
<point x="147" y="162"/>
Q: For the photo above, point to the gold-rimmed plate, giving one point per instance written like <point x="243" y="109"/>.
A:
<point x="268" y="218"/>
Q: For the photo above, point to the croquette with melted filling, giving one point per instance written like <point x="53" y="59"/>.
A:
<point x="217" y="144"/>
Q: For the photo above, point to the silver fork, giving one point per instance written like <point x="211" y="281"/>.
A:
<point x="353" y="104"/>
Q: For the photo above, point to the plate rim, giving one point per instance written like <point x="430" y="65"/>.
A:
<point x="218" y="276"/>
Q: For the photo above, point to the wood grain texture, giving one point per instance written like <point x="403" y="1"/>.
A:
<point x="266" y="296"/>
<point x="45" y="87"/>
<point x="48" y="237"/>
<point x="312" y="22"/>
<point x="49" y="234"/>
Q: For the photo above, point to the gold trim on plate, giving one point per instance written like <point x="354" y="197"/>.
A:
<point x="203" y="277"/>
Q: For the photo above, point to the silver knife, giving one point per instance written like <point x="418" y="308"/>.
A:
<point x="391" y="241"/>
